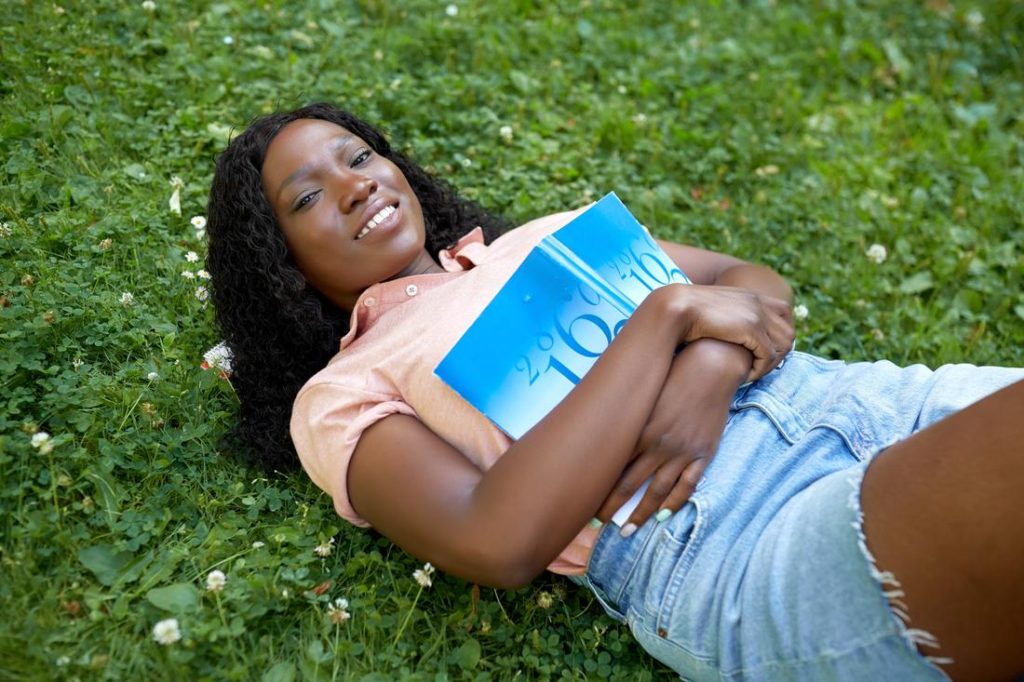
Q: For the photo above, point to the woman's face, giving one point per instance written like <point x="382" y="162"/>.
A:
<point x="349" y="216"/>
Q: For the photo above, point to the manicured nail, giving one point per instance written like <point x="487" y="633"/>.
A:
<point x="628" y="530"/>
<point x="596" y="522"/>
<point x="663" y="515"/>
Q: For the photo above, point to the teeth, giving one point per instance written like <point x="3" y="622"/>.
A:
<point x="376" y="220"/>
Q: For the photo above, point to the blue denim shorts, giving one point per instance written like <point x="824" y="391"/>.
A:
<point x="764" y="574"/>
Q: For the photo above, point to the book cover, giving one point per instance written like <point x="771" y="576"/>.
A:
<point x="554" y="317"/>
<point x="546" y="326"/>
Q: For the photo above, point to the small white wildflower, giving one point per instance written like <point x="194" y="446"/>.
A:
<point x="422" y="575"/>
<point x="228" y="40"/>
<point x="285" y="593"/>
<point x="215" y="581"/>
<point x="770" y="169"/>
<point x="202" y="274"/>
<point x="174" y="203"/>
<point x="258" y="544"/>
<point x="622" y="89"/>
<point x="451" y="10"/>
<point x="800" y="312"/>
<point x="378" y="55"/>
<point x="192" y="257"/>
<point x="62" y="661"/>
<point x="126" y="298"/>
<point x="40" y="439"/>
<point x="153" y="376"/>
<point x="506" y="133"/>
<point x="5" y="230"/>
<point x="167" y="632"/>
<point x="338" y="611"/>
<point x="544" y="600"/>
<point x="188" y="274"/>
<point x="149" y="5"/>
<point x="876" y="253"/>
<point x="76" y="363"/>
<point x="220" y="357"/>
<point x="198" y="222"/>
<point x="974" y="19"/>
<point x="325" y="549"/>
<point x="466" y="163"/>
<point x="640" y="119"/>
<point x="890" y="202"/>
<point x="202" y="294"/>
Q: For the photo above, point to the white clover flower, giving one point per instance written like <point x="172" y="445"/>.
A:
<point x="640" y="119"/>
<point x="149" y="5"/>
<point x="622" y="89"/>
<point x="167" y="632"/>
<point x="215" y="581"/>
<point x="62" y="661"/>
<point x="770" y="169"/>
<point x="41" y="442"/>
<point x="5" y="230"/>
<point x="192" y="257"/>
<point x="325" y="549"/>
<point x="466" y="163"/>
<point x="258" y="544"/>
<point x="202" y="294"/>
<point x="188" y="274"/>
<point x="198" y="222"/>
<point x="126" y="298"/>
<point x="220" y="357"/>
<point x="228" y="40"/>
<point x="506" y="133"/>
<point x="76" y="363"/>
<point x="800" y="312"/>
<point x="422" y="575"/>
<point x="544" y="600"/>
<point x="202" y="274"/>
<point x="974" y="19"/>
<point x="451" y="10"/>
<point x="153" y="376"/>
<point x="876" y="253"/>
<point x="174" y="203"/>
<point x="337" y="612"/>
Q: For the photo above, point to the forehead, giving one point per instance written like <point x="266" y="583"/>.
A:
<point x="297" y="146"/>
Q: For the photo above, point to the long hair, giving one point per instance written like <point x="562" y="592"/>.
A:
<point x="279" y="329"/>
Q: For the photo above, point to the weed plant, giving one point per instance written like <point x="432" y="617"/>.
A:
<point x="872" y="152"/>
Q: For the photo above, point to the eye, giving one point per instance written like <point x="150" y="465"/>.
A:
<point x="304" y="200"/>
<point x="361" y="157"/>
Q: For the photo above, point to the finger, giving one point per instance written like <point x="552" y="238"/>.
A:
<point x="662" y="484"/>
<point x="638" y="471"/>
<point x="684" y="488"/>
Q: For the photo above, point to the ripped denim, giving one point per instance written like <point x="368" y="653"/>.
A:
<point x="765" y="574"/>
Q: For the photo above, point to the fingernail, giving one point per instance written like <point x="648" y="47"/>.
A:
<point x="663" y="515"/>
<point x="595" y="522"/>
<point x="628" y="530"/>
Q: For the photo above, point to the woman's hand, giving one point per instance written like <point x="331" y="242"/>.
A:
<point x="683" y="431"/>
<point x="761" y="324"/>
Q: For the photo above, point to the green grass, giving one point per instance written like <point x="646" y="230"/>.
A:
<point x="794" y="135"/>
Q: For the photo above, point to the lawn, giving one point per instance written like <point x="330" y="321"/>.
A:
<point x="873" y="153"/>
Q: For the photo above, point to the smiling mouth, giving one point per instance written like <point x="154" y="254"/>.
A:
<point x="376" y="220"/>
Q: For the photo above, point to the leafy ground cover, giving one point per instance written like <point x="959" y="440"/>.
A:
<point x="871" y="152"/>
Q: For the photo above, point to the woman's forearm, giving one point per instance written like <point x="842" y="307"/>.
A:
<point x="547" y="486"/>
<point x="760" y="279"/>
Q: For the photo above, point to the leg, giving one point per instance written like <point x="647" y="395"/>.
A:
<point x="942" y="512"/>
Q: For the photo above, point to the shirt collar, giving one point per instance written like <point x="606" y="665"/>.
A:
<point x="382" y="297"/>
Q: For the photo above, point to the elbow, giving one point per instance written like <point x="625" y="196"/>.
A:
<point x="502" y="567"/>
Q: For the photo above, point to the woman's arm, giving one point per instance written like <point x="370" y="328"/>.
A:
<point x="686" y="424"/>
<point x="504" y="526"/>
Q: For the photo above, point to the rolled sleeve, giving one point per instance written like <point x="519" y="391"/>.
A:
<point x="327" y="422"/>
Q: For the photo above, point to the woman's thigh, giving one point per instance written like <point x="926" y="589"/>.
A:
<point x="942" y="517"/>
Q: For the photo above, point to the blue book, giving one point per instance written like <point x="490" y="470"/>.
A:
<point x="554" y="317"/>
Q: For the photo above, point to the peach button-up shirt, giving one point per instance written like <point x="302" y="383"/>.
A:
<point x="400" y="330"/>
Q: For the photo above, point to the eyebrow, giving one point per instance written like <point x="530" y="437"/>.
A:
<point x="306" y="169"/>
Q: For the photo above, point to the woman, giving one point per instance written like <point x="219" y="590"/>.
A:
<point x="765" y="546"/>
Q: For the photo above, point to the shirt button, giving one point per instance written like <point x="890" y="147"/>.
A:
<point x="412" y="290"/>
<point x="370" y="302"/>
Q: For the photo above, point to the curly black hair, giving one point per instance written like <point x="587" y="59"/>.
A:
<point x="281" y="330"/>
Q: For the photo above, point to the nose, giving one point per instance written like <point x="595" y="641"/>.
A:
<point x="356" y="188"/>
